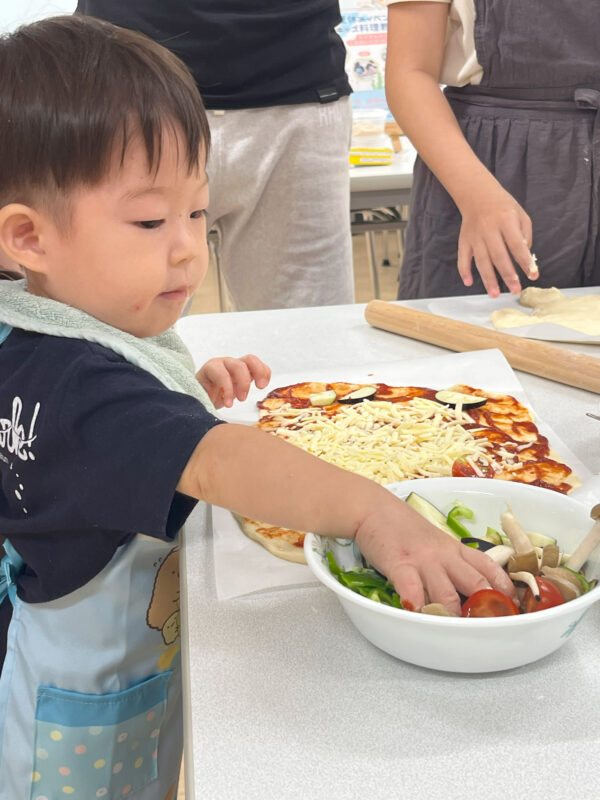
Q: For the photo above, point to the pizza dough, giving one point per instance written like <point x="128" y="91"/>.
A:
<point x="534" y="297"/>
<point x="550" y="305"/>
<point x="281" y="542"/>
<point x="405" y="432"/>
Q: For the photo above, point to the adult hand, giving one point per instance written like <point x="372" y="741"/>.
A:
<point x="494" y="227"/>
<point x="227" y="379"/>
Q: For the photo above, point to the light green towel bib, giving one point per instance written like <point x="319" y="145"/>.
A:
<point x="164" y="356"/>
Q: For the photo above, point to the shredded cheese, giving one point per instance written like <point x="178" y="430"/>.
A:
<point x="386" y="441"/>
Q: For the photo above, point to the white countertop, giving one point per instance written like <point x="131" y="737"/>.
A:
<point x="285" y="699"/>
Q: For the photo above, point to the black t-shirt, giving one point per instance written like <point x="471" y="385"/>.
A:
<point x="91" y="451"/>
<point x="244" y="53"/>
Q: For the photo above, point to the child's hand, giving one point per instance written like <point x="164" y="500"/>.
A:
<point x="225" y="379"/>
<point x="417" y="557"/>
<point x="494" y="228"/>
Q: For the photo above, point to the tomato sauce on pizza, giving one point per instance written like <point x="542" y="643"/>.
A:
<point x="394" y="433"/>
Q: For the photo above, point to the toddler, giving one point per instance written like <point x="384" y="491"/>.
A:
<point x="107" y="439"/>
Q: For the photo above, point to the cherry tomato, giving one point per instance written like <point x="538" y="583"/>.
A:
<point x="488" y="603"/>
<point x="549" y="597"/>
<point x="460" y="469"/>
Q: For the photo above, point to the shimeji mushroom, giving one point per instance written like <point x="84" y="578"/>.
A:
<point x="566" y="578"/>
<point x="524" y="558"/>
<point x="500" y="554"/>
<point x="526" y="577"/>
<point x="565" y="581"/>
<point x="550" y="556"/>
<point x="438" y="609"/>
<point x="591" y="541"/>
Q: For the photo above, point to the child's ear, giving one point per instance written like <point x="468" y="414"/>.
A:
<point x="21" y="236"/>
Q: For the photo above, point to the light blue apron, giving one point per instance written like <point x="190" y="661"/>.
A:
<point x="90" y="691"/>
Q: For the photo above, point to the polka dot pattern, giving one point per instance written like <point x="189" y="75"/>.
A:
<point x="96" y="761"/>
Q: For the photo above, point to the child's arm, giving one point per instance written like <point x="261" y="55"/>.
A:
<point x="492" y="220"/>
<point x="260" y="476"/>
<point x="225" y="379"/>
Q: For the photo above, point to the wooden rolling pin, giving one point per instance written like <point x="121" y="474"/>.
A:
<point x="528" y="355"/>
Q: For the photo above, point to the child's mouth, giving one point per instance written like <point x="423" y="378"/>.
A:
<point x="177" y="295"/>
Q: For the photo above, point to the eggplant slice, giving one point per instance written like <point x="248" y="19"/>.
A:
<point x="449" y="398"/>
<point x="358" y="395"/>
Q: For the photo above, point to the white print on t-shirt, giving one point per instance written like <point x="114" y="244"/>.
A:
<point x="12" y="432"/>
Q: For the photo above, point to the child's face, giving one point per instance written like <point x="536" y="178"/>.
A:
<point x="136" y="248"/>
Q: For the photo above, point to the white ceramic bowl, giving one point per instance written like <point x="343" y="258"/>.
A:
<point x="470" y="645"/>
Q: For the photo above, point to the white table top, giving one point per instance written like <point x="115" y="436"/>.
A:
<point x="285" y="699"/>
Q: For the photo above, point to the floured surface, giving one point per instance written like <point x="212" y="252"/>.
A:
<point x="582" y="314"/>
<point x="478" y="310"/>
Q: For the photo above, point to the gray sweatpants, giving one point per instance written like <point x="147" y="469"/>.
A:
<point x="279" y="199"/>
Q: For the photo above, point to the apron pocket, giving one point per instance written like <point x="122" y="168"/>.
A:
<point x="97" y="745"/>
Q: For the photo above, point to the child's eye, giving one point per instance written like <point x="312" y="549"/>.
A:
<point x="198" y="214"/>
<point x="149" y="224"/>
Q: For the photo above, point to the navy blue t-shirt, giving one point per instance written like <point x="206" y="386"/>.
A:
<point x="91" y="451"/>
<point x="244" y="53"/>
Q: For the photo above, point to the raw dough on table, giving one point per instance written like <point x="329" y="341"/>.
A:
<point x="550" y="305"/>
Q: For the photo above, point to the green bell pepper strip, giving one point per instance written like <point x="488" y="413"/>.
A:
<point x="366" y="581"/>
<point x="452" y="520"/>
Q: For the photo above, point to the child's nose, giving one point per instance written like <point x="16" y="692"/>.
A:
<point x="186" y="244"/>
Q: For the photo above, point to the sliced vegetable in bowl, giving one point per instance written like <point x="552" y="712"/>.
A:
<point x="367" y="581"/>
<point x="475" y="644"/>
<point x="488" y="603"/>
<point x="524" y="562"/>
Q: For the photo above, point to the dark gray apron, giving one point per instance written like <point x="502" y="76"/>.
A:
<point x="534" y="121"/>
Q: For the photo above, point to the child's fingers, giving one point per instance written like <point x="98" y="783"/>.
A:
<point x="259" y="371"/>
<point x="440" y="587"/>
<point x="465" y="258"/>
<point x="239" y="375"/>
<point x="502" y="262"/>
<point x="226" y="379"/>
<point x="518" y="239"/>
<point x="216" y="380"/>
<point x="496" y="576"/>
<point x="486" y="269"/>
<point x="465" y="578"/>
<point x="408" y="584"/>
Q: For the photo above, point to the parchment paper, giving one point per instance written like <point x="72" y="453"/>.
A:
<point x="241" y="565"/>
<point x="478" y="309"/>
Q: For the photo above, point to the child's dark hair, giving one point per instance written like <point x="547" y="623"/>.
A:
<point x="74" y="91"/>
